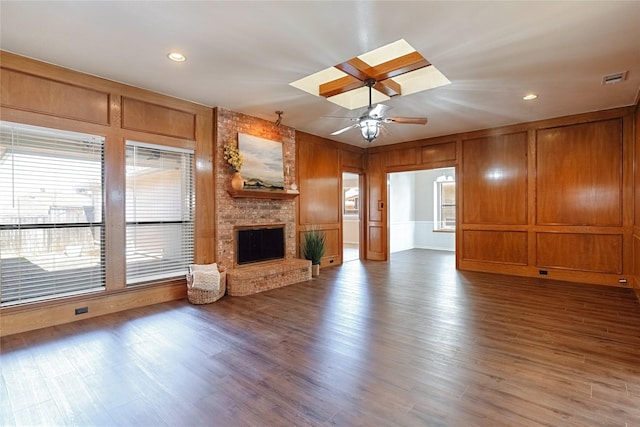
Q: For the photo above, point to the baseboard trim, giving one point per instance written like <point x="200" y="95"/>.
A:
<point x="25" y="318"/>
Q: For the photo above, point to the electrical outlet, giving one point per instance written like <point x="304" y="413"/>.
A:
<point x="82" y="310"/>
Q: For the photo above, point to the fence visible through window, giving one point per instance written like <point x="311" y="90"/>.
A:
<point x="51" y="213"/>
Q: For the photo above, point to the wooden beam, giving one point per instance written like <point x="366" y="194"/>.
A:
<point x="388" y="87"/>
<point x="398" y="66"/>
<point x="338" y="86"/>
<point x="359" y="71"/>
<point x="355" y="67"/>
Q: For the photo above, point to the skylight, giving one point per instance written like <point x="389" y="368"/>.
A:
<point x="397" y="68"/>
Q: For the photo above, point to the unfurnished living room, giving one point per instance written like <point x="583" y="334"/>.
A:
<point x="314" y="213"/>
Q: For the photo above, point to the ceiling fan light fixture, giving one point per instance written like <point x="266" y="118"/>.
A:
<point x="370" y="129"/>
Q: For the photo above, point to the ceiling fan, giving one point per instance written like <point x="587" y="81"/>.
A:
<point x="370" y="122"/>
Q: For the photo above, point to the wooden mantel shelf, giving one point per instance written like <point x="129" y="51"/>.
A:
<point x="263" y="194"/>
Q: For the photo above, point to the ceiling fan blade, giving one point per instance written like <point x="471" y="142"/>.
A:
<point x="407" y="120"/>
<point x="338" y="132"/>
<point x="378" y="111"/>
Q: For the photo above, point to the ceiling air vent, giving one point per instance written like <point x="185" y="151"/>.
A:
<point x="610" y="79"/>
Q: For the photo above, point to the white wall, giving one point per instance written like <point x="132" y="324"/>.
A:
<point x="401" y="210"/>
<point x="411" y="212"/>
<point x="351" y="230"/>
<point x="426" y="238"/>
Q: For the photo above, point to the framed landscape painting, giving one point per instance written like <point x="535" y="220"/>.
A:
<point x="262" y="167"/>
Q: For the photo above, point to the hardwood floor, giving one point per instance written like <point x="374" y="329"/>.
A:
<point x="350" y="252"/>
<point x="411" y="342"/>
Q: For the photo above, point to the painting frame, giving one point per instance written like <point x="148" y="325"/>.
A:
<point x="263" y="163"/>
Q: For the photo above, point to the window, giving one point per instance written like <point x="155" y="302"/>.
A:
<point x="159" y="212"/>
<point x="445" y="205"/>
<point x="51" y="213"/>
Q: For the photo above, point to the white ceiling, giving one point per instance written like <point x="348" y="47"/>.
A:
<point x="243" y="55"/>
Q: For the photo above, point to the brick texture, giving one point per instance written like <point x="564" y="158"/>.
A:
<point x="233" y="212"/>
<point x="263" y="277"/>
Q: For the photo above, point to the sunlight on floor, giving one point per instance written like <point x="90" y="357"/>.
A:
<point x="350" y="252"/>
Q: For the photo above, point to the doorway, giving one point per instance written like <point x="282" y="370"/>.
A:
<point x="422" y="208"/>
<point x="351" y="208"/>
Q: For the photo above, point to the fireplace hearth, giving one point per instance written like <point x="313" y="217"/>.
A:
<point x="261" y="263"/>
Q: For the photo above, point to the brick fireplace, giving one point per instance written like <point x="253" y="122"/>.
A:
<point x="233" y="213"/>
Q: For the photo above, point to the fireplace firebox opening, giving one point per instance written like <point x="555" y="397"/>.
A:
<point x="256" y="244"/>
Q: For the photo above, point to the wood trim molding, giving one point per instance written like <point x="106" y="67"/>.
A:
<point x="56" y="312"/>
<point x="258" y="194"/>
<point x="44" y="95"/>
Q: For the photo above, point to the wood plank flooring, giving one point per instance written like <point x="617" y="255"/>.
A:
<point x="411" y="342"/>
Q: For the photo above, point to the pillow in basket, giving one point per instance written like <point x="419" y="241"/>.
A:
<point x="205" y="276"/>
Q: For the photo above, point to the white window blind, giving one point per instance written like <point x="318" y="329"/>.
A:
<point x="51" y="213"/>
<point x="159" y="212"/>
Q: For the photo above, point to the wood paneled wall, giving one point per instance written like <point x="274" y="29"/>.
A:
<point x="636" y="203"/>
<point x="320" y="163"/>
<point x="579" y="177"/>
<point x="551" y="199"/>
<point x="41" y="94"/>
<point x="495" y="191"/>
<point x="558" y="194"/>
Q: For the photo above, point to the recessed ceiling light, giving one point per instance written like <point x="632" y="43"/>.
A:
<point x="177" y="57"/>
<point x="530" y="96"/>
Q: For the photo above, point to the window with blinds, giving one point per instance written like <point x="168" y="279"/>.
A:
<point x="159" y="212"/>
<point x="51" y="213"/>
<point x="445" y="205"/>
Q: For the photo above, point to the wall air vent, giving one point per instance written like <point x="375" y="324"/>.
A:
<point x="610" y="79"/>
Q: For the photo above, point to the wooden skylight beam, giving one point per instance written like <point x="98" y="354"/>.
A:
<point x="359" y="71"/>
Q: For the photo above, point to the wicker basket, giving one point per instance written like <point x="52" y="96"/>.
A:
<point x="201" y="296"/>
